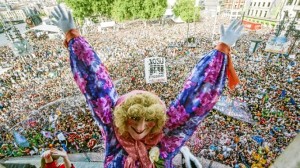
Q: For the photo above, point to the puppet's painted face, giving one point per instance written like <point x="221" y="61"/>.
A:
<point x="139" y="127"/>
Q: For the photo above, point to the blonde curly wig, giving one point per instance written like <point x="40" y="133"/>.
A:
<point x="140" y="104"/>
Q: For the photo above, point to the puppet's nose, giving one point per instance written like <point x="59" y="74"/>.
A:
<point x="141" y="125"/>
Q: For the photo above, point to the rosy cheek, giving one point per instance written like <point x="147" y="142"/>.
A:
<point x="151" y="124"/>
<point x="130" y="122"/>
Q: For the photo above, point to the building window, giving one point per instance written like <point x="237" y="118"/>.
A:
<point x="254" y="3"/>
<point x="269" y="3"/>
<point x="258" y="3"/>
<point x="248" y="12"/>
<point x="252" y="12"/>
<point x="260" y="13"/>
<point x="251" y="4"/>
<point x="264" y="4"/>
<point x="256" y="12"/>
<point x="266" y="12"/>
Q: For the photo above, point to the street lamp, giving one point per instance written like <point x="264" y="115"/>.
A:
<point x="190" y="40"/>
<point x="254" y="45"/>
<point x="252" y="49"/>
<point x="295" y="33"/>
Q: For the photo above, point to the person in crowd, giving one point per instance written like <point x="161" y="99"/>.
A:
<point x="50" y="159"/>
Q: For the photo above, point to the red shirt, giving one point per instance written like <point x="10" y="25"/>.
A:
<point x="53" y="165"/>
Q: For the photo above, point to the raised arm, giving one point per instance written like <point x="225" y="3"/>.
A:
<point x="89" y="72"/>
<point x="200" y="93"/>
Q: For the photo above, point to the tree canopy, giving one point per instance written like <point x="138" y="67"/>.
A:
<point x="88" y="8"/>
<point x="138" y="9"/>
<point x="153" y="9"/>
<point x="186" y="10"/>
<point x="118" y="9"/>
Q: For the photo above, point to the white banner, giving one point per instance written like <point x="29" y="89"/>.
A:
<point x="278" y="45"/>
<point x="155" y="69"/>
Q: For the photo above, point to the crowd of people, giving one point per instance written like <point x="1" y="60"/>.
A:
<point x="40" y="83"/>
<point x="73" y="130"/>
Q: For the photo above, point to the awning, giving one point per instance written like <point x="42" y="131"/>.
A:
<point x="251" y="25"/>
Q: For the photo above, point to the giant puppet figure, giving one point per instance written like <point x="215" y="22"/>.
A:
<point x="139" y="130"/>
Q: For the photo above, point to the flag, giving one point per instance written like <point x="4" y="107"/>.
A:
<point x="47" y="134"/>
<point x="258" y="139"/>
<point x="292" y="101"/>
<point x="20" y="139"/>
<point x="234" y="108"/>
<point x="283" y="94"/>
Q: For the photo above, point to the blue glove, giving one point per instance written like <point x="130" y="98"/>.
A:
<point x="62" y="20"/>
<point x="189" y="158"/>
<point x="232" y="33"/>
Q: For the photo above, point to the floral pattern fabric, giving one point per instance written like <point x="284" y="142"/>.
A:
<point x="199" y="94"/>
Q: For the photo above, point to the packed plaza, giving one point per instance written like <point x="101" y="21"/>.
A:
<point x="40" y="100"/>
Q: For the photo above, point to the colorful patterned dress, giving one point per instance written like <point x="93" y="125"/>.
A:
<point x="199" y="94"/>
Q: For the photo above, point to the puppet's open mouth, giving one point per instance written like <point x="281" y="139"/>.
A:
<point x="138" y="132"/>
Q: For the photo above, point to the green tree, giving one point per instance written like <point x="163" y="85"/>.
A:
<point x="186" y="10"/>
<point x="120" y="11"/>
<point x="126" y="9"/>
<point x="153" y="9"/>
<point x="88" y="8"/>
<point x="138" y="9"/>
